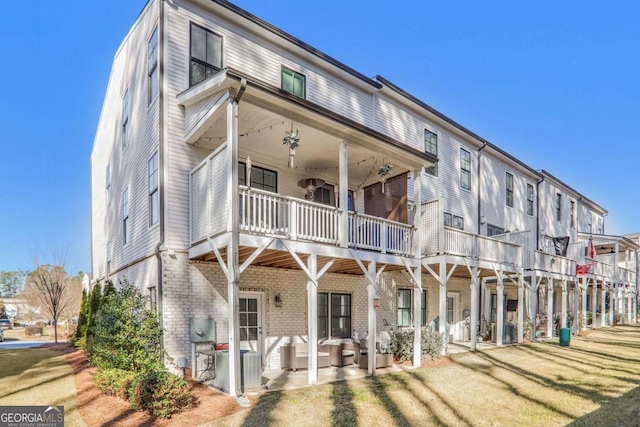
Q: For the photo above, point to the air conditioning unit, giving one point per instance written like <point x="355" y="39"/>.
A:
<point x="250" y="370"/>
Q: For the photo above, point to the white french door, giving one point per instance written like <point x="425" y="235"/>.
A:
<point x="252" y="321"/>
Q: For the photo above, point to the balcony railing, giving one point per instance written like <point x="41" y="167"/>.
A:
<point x="554" y="263"/>
<point x="271" y="214"/>
<point x="438" y="239"/>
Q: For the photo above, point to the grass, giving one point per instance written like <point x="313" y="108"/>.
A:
<point x="38" y="377"/>
<point x="593" y="382"/>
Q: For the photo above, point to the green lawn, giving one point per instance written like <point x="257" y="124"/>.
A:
<point x="38" y="377"/>
<point x="592" y="383"/>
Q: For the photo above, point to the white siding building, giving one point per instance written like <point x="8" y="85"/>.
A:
<point x="240" y="175"/>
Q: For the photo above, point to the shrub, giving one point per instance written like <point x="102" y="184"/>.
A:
<point x="114" y="382"/>
<point x="33" y="330"/>
<point x="401" y="345"/>
<point x="159" y="392"/>
<point x="125" y="334"/>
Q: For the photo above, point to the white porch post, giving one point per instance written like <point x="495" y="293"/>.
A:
<point x="583" y="295"/>
<point x="417" y="252"/>
<point x="442" y="324"/>
<point x="232" y="251"/>
<point x="474" y="313"/>
<point x="594" y="301"/>
<point x="372" y="293"/>
<point x="612" y="302"/>
<point x="563" y="318"/>
<point x="499" y="309"/>
<point x="603" y="305"/>
<point x="623" y="304"/>
<point x="520" y="308"/>
<point x="343" y="234"/>
<point x="417" y="318"/>
<point x="417" y="213"/>
<point x="550" y="309"/>
<point x="629" y="307"/>
<point x="312" y="313"/>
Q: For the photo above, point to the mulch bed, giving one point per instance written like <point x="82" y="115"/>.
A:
<point x="98" y="409"/>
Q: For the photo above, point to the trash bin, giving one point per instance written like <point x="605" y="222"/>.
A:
<point x="565" y="337"/>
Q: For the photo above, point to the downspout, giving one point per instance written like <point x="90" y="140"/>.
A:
<point x="484" y="145"/>
<point x="538" y="212"/>
<point x="161" y="166"/>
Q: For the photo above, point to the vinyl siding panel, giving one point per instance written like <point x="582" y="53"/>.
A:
<point x="128" y="166"/>
<point x="494" y="199"/>
<point x="549" y="225"/>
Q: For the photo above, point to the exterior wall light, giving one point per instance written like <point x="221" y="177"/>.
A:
<point x="278" y="301"/>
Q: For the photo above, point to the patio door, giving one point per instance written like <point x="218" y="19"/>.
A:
<point x="252" y="321"/>
<point x="453" y="316"/>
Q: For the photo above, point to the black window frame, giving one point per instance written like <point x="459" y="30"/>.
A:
<point x="401" y="310"/>
<point x="451" y="219"/>
<point x="491" y="229"/>
<point x="465" y="171"/>
<point x="334" y="317"/>
<point x="572" y="219"/>
<point x="423" y="308"/>
<point x="207" y="65"/>
<point x="152" y="67"/>
<point x="153" y="177"/>
<point x="126" y="226"/>
<point x="294" y="73"/>
<point x="432" y="170"/>
<point x="242" y="177"/>
<point x="558" y="207"/>
<point x="509" y="198"/>
<point x="530" y="199"/>
<point x="326" y="315"/>
<point x="429" y="138"/>
<point x="126" y="112"/>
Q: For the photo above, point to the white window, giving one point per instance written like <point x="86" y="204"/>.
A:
<point x="465" y="169"/>
<point x="152" y="65"/>
<point x="154" y="194"/>
<point x="294" y="83"/>
<point x="529" y="199"/>
<point x="430" y="142"/>
<point x="108" y="183"/>
<point x="453" y="221"/>
<point x="126" y="225"/>
<point x="206" y="54"/>
<point x="599" y="226"/>
<point x="509" y="195"/>
<point x="125" y="120"/>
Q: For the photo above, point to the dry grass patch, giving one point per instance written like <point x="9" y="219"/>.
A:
<point x="38" y="377"/>
<point x="593" y="382"/>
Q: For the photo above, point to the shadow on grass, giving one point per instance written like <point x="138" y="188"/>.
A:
<point x="378" y="387"/>
<point x="621" y="411"/>
<point x="344" y="411"/>
<point x="423" y="383"/>
<point x="261" y="414"/>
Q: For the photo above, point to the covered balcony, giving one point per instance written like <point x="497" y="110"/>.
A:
<point x="293" y="196"/>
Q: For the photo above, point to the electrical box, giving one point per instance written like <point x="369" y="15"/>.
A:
<point x="202" y="330"/>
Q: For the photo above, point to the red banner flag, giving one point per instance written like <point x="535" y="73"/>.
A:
<point x="583" y="270"/>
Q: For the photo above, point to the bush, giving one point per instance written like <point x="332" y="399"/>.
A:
<point x="401" y="345"/>
<point x="161" y="393"/>
<point x="125" y="334"/>
<point x="33" y="330"/>
<point x="114" y="382"/>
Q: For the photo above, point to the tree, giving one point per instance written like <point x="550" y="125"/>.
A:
<point x="11" y="283"/>
<point x="50" y="286"/>
<point x="2" y="315"/>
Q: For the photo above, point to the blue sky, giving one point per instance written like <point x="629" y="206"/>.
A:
<point x="553" y="83"/>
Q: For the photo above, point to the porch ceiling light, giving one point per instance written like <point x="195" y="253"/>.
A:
<point x="310" y="184"/>
<point x="293" y="141"/>
<point x="383" y="172"/>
